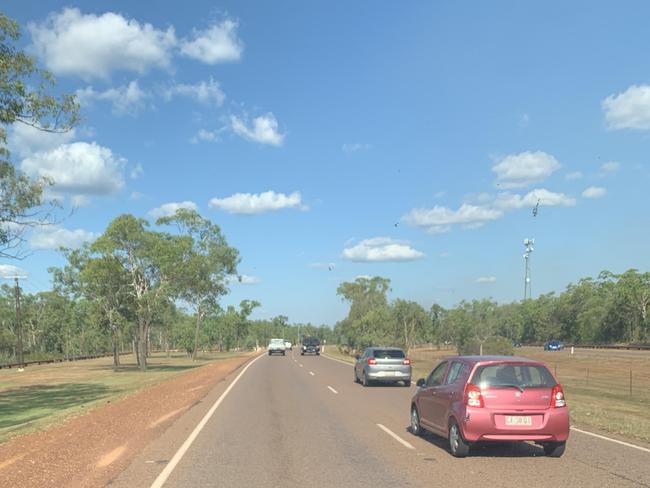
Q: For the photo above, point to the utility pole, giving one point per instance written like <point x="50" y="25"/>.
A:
<point x="19" y="329"/>
<point x="528" y="244"/>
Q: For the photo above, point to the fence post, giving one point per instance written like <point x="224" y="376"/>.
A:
<point x="630" y="383"/>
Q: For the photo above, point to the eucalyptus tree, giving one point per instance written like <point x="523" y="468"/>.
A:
<point x="411" y="320"/>
<point x="206" y="263"/>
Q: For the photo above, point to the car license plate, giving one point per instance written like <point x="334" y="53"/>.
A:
<point x="519" y="420"/>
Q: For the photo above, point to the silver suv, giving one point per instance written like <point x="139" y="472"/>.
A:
<point x="382" y="364"/>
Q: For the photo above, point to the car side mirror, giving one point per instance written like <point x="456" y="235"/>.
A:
<point x="420" y="383"/>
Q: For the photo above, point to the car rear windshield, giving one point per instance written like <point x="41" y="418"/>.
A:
<point x="513" y="374"/>
<point x="388" y="354"/>
<point x="311" y="341"/>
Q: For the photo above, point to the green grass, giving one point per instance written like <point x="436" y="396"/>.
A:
<point x="596" y="384"/>
<point x="42" y="395"/>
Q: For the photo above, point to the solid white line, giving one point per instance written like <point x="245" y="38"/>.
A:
<point x="311" y="373"/>
<point x="627" y="444"/>
<point x="333" y="390"/>
<point x="338" y="360"/>
<point x="395" y="436"/>
<point x="162" y="477"/>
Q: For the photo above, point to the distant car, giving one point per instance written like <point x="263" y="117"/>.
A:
<point x="310" y="345"/>
<point x="516" y="344"/>
<point x="382" y="364"/>
<point x="276" y="346"/>
<point x="553" y="346"/>
<point x="469" y="399"/>
<point x="287" y="345"/>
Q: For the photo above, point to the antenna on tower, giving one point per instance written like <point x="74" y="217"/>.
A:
<point x="529" y="246"/>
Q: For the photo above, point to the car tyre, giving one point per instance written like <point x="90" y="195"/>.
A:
<point x="283" y="353"/>
<point x="457" y="445"/>
<point x="554" y="449"/>
<point x="416" y="428"/>
<point x="356" y="378"/>
<point x="407" y="383"/>
<point x="365" y="380"/>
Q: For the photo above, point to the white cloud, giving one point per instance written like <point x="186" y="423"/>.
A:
<point x="510" y="201"/>
<point x="79" y="201"/>
<point x="136" y="172"/>
<point x="204" y="135"/>
<point x="264" y="129"/>
<point x="437" y="218"/>
<point x="126" y="99"/>
<point x="25" y="140"/>
<point x="169" y="209"/>
<point x="54" y="237"/>
<point x="354" y="147"/>
<point x="575" y="175"/>
<point x="486" y="279"/>
<point x="628" y="110"/>
<point x="79" y="168"/>
<point x="93" y="46"/>
<point x="438" y="229"/>
<point x="380" y="249"/>
<point x="523" y="169"/>
<point x="254" y="203"/>
<point x="9" y="270"/>
<point x="594" y="192"/>
<point x="205" y="92"/>
<point x="610" y="167"/>
<point x="243" y="280"/>
<point x="216" y="44"/>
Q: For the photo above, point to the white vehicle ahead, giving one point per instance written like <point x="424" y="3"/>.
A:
<point x="276" y="346"/>
<point x="287" y="345"/>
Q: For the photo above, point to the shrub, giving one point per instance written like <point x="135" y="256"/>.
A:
<point x="495" y="345"/>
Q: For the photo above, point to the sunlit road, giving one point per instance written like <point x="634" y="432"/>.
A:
<point x="302" y="421"/>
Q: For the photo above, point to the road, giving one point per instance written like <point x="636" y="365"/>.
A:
<point x="302" y="421"/>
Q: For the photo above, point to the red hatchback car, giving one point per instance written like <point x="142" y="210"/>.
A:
<point x="469" y="399"/>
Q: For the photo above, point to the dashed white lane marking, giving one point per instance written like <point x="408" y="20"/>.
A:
<point x="300" y="364"/>
<point x="333" y="390"/>
<point x="164" y="474"/>
<point x="311" y="373"/>
<point x="396" y="437"/>
<point x="627" y="444"/>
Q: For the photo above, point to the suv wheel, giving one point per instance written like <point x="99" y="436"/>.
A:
<point x="416" y="429"/>
<point x="457" y="445"/>
<point x="554" y="449"/>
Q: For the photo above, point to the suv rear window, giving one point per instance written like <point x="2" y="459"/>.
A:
<point x="513" y="374"/>
<point x="388" y="354"/>
<point x="311" y="341"/>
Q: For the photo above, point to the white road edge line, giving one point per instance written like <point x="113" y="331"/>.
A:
<point x="333" y="390"/>
<point x="627" y="444"/>
<point x="162" y="477"/>
<point x="337" y="360"/>
<point x="311" y="373"/>
<point x="396" y="437"/>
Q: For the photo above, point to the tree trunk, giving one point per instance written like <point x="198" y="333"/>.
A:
<point x="116" y="352"/>
<point x="143" y="330"/>
<point x="196" y="334"/>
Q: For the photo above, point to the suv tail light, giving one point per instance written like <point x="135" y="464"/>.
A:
<point x="407" y="362"/>
<point x="557" y="397"/>
<point x="372" y="361"/>
<point x="473" y="397"/>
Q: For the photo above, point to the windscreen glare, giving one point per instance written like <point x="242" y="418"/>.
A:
<point x="510" y="374"/>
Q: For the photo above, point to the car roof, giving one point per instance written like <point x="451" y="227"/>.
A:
<point x="494" y="359"/>
<point x="390" y="348"/>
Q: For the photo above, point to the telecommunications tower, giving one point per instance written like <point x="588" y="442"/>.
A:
<point x="528" y="244"/>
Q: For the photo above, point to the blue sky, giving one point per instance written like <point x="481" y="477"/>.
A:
<point x="331" y="140"/>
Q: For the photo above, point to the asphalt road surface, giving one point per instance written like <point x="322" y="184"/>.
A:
<point x="302" y="421"/>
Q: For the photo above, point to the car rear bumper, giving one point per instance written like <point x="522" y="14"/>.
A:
<point x="480" y="425"/>
<point x="311" y="350"/>
<point x="401" y="374"/>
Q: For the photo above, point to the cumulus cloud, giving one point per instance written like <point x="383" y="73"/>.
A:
<point x="628" y="110"/>
<point x="26" y="140"/>
<point x="9" y="270"/>
<point x="204" y="135"/>
<point x="93" y="46"/>
<point x="217" y="44"/>
<point x="486" y="279"/>
<point x="205" y="92"/>
<point x="169" y="209"/>
<point x="264" y="129"/>
<point x="126" y="99"/>
<point x="610" y="167"/>
<point x="380" y="249"/>
<point x="510" y="201"/>
<point x="78" y="168"/>
<point x="523" y="169"/>
<point x="54" y="237"/>
<point x="255" y="203"/>
<point x="594" y="192"/>
<point x="438" y="218"/>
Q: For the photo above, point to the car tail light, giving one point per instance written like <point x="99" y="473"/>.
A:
<point x="557" y="397"/>
<point x="407" y="362"/>
<point x="473" y="397"/>
<point x="372" y="361"/>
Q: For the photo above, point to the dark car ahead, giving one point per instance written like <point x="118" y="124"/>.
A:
<point x="310" y="345"/>
<point x="469" y="399"/>
<point x="553" y="346"/>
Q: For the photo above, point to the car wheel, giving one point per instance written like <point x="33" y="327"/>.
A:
<point x="365" y="380"/>
<point x="407" y="383"/>
<point x="554" y="449"/>
<point x="457" y="445"/>
<point x="416" y="429"/>
<point x="270" y="353"/>
<point x="283" y="353"/>
<point x="302" y="353"/>
<point x="356" y="378"/>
